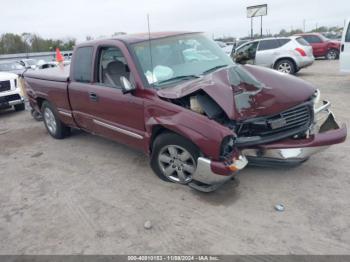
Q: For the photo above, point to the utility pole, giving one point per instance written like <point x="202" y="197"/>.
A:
<point x="304" y="25"/>
<point x="251" y="27"/>
<point x="261" y="34"/>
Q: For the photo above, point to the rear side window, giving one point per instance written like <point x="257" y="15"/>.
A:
<point x="268" y="44"/>
<point x="302" y="41"/>
<point x="347" y="36"/>
<point x="83" y="64"/>
<point x="283" y="41"/>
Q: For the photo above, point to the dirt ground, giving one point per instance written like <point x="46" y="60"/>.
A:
<point x="88" y="195"/>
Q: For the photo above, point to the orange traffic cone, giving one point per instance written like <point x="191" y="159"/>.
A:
<point x="59" y="57"/>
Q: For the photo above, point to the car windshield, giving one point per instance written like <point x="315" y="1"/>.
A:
<point x="179" y="58"/>
<point x="10" y="66"/>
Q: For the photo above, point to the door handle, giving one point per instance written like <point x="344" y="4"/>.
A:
<point x="93" y="96"/>
<point x="342" y="47"/>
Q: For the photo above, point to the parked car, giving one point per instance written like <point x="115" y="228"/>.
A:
<point x="227" y="48"/>
<point x="285" y="54"/>
<point x="322" y="46"/>
<point x="28" y="63"/>
<point x="10" y="92"/>
<point x="345" y="49"/>
<point x="200" y="121"/>
<point x="12" y="67"/>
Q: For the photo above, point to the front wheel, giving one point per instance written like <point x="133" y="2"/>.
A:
<point x="285" y="66"/>
<point x="174" y="158"/>
<point x="332" y="54"/>
<point x="52" y="123"/>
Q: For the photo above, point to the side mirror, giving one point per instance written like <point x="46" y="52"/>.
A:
<point x="127" y="87"/>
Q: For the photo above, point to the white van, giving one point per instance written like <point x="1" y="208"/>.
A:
<point x="345" y="49"/>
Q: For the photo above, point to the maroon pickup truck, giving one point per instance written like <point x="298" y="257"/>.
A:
<point x="180" y="99"/>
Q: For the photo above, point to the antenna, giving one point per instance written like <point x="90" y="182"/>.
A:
<point x="150" y="45"/>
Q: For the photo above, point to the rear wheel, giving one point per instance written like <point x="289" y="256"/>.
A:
<point x="52" y="123"/>
<point x="285" y="66"/>
<point x="20" y="107"/>
<point x="174" y="158"/>
<point x="332" y="54"/>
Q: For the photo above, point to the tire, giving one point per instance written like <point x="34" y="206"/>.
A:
<point x="332" y="54"/>
<point x="174" y="158"/>
<point x="20" y="107"/>
<point x="53" y="124"/>
<point x="286" y="66"/>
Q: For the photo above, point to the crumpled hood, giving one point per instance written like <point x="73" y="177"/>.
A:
<point x="258" y="92"/>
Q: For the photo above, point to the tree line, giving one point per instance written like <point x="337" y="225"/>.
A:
<point x="27" y="42"/>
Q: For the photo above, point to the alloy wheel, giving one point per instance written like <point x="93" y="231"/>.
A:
<point x="176" y="163"/>
<point x="50" y="120"/>
<point x="331" y="55"/>
<point x="285" y="68"/>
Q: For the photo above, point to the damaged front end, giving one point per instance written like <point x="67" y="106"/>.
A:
<point x="274" y="120"/>
<point x="322" y="131"/>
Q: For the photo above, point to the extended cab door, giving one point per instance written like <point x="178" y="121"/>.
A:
<point x="96" y="97"/>
<point x="345" y="50"/>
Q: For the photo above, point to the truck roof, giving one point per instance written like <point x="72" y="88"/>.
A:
<point x="141" y="37"/>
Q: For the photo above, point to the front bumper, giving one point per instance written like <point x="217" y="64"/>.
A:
<point x="11" y="98"/>
<point x="210" y="175"/>
<point x="324" y="132"/>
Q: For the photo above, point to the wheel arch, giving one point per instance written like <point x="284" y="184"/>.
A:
<point x="159" y="129"/>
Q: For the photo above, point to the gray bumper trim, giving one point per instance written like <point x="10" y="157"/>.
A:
<point x="204" y="174"/>
<point x="16" y="102"/>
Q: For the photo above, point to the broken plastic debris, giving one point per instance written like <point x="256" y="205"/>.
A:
<point x="279" y="207"/>
<point x="147" y="225"/>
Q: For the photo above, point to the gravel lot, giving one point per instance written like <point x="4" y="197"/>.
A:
<point x="88" y="195"/>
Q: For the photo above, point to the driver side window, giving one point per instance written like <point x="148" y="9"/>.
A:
<point x="111" y="66"/>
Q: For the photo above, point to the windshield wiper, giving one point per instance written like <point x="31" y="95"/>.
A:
<point x="178" y="78"/>
<point x="213" y="69"/>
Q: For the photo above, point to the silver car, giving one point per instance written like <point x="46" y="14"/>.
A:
<point x="285" y="54"/>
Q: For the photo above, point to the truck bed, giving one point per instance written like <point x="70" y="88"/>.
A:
<point x="56" y="74"/>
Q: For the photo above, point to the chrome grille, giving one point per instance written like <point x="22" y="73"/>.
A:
<point x="293" y="118"/>
<point x="296" y="119"/>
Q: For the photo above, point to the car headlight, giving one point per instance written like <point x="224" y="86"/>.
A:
<point x="227" y="146"/>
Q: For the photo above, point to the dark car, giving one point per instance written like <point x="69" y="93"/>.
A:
<point x="185" y="103"/>
<point x="322" y="46"/>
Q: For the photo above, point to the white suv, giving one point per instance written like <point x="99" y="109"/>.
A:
<point x="10" y="92"/>
<point x="285" y="54"/>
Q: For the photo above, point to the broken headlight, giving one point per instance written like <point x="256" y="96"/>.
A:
<point x="227" y="146"/>
<point x="317" y="99"/>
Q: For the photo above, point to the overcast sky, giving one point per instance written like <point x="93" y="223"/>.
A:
<point x="79" y="18"/>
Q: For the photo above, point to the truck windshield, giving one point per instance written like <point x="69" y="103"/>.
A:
<point x="179" y="58"/>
